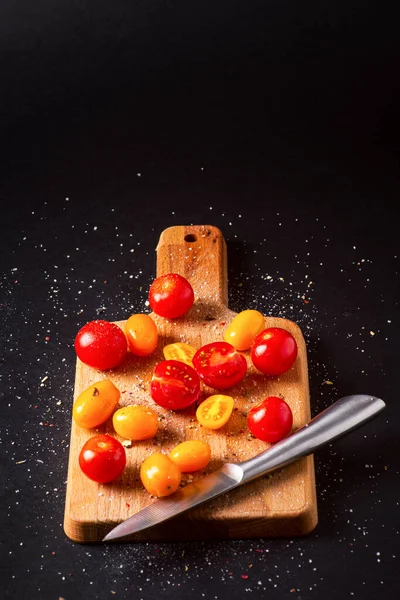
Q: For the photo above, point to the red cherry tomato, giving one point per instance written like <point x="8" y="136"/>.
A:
<point x="171" y="296"/>
<point x="174" y="385"/>
<point x="271" y="420"/>
<point x="101" y="344"/>
<point x="102" y="458"/>
<point x="219" y="365"/>
<point x="274" y="351"/>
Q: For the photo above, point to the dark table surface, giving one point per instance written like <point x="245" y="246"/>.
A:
<point x="274" y="121"/>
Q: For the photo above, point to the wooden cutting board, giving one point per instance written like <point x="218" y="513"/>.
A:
<point x="282" y="504"/>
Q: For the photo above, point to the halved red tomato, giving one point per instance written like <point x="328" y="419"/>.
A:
<point x="219" y="365"/>
<point x="174" y="385"/>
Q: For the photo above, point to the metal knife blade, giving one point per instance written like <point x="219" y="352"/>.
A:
<point x="340" y="418"/>
<point x="224" y="479"/>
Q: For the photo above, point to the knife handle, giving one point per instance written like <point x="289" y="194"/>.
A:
<point x="340" y="418"/>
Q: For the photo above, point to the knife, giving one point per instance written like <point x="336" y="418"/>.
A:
<point x="340" y="418"/>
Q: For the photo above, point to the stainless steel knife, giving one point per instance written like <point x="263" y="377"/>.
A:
<point x="340" y="418"/>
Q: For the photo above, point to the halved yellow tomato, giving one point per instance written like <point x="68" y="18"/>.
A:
<point x="215" y="411"/>
<point x="179" y="351"/>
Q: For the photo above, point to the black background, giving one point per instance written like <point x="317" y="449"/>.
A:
<point x="276" y="121"/>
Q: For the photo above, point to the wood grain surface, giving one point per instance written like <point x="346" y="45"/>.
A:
<point x="281" y="504"/>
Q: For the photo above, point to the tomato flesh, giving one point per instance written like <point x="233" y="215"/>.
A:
<point x="215" y="411"/>
<point x="274" y="351"/>
<point x="102" y="458"/>
<point x="270" y="420"/>
<point x="174" y="385"/>
<point x="179" y="351"/>
<point x="171" y="296"/>
<point x="219" y="365"/>
<point x="101" y="344"/>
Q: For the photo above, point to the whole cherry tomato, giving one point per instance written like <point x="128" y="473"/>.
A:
<point x="191" y="455"/>
<point x="270" y="420"/>
<point x="274" y="351"/>
<point x="101" y="344"/>
<point x="141" y="333"/>
<point x="174" y="385"/>
<point x="242" y="330"/>
<point x="171" y="296"/>
<point x="96" y="404"/>
<point x="102" y="458"/>
<point x="135" y="422"/>
<point x="219" y="365"/>
<point x="160" y="475"/>
<point x="215" y="411"/>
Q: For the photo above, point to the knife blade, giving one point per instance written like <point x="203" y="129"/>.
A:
<point x="342" y="417"/>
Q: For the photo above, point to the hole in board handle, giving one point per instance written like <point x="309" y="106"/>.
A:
<point x="190" y="237"/>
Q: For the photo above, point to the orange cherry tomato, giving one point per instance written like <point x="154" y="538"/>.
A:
<point x="160" y="475"/>
<point x="242" y="330"/>
<point x="215" y="411"/>
<point x="135" y="422"/>
<point x="141" y="333"/>
<point x="179" y="351"/>
<point x="95" y="404"/>
<point x="191" y="455"/>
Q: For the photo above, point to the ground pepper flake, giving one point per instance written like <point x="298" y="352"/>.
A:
<point x="244" y="576"/>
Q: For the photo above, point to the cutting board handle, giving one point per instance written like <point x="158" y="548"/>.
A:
<point x="198" y="252"/>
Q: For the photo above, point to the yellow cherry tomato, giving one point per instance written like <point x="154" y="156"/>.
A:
<point x="141" y="333"/>
<point x="95" y="404"/>
<point x="242" y="330"/>
<point x="179" y="351"/>
<point x="135" y="422"/>
<point x="160" y="475"/>
<point x="215" y="411"/>
<point x="191" y="455"/>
